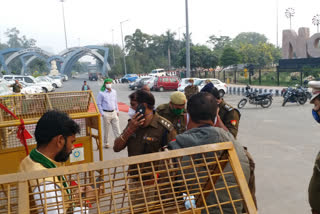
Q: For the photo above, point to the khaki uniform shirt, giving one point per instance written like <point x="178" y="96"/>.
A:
<point x="230" y="117"/>
<point x="177" y="120"/>
<point x="314" y="186"/>
<point x="16" y="88"/>
<point x="190" y="90"/>
<point x="149" y="139"/>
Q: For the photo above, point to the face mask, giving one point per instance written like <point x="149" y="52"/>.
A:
<point x="177" y="111"/>
<point x="315" y="115"/>
<point x="131" y="112"/>
<point x="108" y="86"/>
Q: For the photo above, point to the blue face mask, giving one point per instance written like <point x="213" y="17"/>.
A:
<point x="315" y="115"/>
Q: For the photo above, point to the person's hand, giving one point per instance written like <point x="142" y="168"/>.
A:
<point x="136" y="121"/>
<point x="87" y="192"/>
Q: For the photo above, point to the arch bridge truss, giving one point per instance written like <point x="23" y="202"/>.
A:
<point x="65" y="59"/>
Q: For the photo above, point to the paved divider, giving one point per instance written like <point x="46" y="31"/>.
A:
<point x="238" y="90"/>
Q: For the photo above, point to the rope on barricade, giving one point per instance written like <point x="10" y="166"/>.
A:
<point x="22" y="133"/>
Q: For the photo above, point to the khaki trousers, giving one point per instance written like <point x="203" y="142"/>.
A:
<point x="110" y="118"/>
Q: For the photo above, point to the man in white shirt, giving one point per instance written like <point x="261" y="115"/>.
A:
<point x="55" y="134"/>
<point x="108" y="108"/>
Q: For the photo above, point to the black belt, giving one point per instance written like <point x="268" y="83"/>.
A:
<point x="108" y="110"/>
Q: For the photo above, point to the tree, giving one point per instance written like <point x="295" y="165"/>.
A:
<point x="252" y="38"/>
<point x="219" y="43"/>
<point x="15" y="41"/>
<point x="200" y="56"/>
<point x="168" y="43"/>
<point x="248" y="54"/>
<point x="229" y="57"/>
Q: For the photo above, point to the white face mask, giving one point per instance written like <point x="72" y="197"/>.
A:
<point x="108" y="86"/>
<point x="131" y="112"/>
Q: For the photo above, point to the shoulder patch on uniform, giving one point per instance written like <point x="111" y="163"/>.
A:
<point x="228" y="107"/>
<point x="166" y="123"/>
<point x="161" y="107"/>
<point x="233" y="122"/>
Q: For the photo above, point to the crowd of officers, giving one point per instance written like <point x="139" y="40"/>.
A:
<point x="191" y="119"/>
<point x="156" y="129"/>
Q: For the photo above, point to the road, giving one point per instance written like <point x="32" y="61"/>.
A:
<point x="282" y="140"/>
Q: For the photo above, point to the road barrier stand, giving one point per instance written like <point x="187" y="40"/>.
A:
<point x="80" y="106"/>
<point x="187" y="180"/>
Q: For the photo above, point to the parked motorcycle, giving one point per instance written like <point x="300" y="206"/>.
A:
<point x="296" y="95"/>
<point x="265" y="99"/>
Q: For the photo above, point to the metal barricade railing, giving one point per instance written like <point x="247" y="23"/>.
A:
<point x="163" y="182"/>
<point x="79" y="105"/>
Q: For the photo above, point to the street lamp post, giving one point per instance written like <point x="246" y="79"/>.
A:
<point x="64" y="23"/>
<point x="289" y="13"/>
<point x="123" y="48"/>
<point x="114" y="60"/>
<point x="316" y="21"/>
<point x="187" y="43"/>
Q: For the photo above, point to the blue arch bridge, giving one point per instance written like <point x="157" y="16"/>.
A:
<point x="65" y="59"/>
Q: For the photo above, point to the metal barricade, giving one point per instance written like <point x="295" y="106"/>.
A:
<point x="79" y="105"/>
<point x="163" y="182"/>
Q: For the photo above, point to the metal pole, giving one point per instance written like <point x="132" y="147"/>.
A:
<point x="64" y="24"/>
<point x="114" y="59"/>
<point x="290" y="23"/>
<point x="277" y="23"/>
<point x="187" y="43"/>
<point x="124" y="55"/>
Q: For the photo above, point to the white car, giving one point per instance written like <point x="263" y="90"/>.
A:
<point x="4" y="89"/>
<point x="222" y="87"/>
<point x="159" y="72"/>
<point x="30" y="81"/>
<point x="150" y="82"/>
<point x="32" y="89"/>
<point x="54" y="82"/>
<point x="184" y="83"/>
<point x="57" y="78"/>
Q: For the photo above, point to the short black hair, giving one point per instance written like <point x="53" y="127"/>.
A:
<point x="133" y="96"/>
<point x="52" y="124"/>
<point x="145" y="97"/>
<point x="215" y="92"/>
<point x="84" y="81"/>
<point x="202" y="106"/>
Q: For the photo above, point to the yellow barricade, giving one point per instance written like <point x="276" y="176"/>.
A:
<point x="79" y="105"/>
<point x="163" y="182"/>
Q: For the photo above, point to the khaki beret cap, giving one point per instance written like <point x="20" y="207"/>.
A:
<point x="315" y="85"/>
<point x="178" y="98"/>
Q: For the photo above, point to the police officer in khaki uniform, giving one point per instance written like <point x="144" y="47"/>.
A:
<point x="147" y="132"/>
<point x="229" y="117"/>
<point x="174" y="111"/>
<point x="191" y="89"/>
<point x="314" y="186"/>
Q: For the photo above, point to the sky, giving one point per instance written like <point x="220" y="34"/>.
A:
<point x="90" y="22"/>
